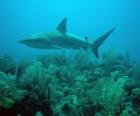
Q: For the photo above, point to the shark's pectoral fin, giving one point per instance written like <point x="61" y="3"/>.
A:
<point x="62" y="26"/>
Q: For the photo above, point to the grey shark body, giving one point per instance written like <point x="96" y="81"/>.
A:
<point x="60" y="38"/>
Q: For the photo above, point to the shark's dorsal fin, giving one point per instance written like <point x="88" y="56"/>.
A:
<point x="62" y="26"/>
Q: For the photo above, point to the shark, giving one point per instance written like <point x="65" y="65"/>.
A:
<point x="60" y="38"/>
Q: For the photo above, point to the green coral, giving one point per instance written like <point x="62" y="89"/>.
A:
<point x="108" y="93"/>
<point x="6" y="62"/>
<point x="9" y="92"/>
<point x="58" y="59"/>
<point x="6" y="102"/>
<point x="78" y="85"/>
<point x="37" y="78"/>
<point x="112" y="95"/>
<point x="83" y="60"/>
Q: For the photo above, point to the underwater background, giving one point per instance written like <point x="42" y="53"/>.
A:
<point x="37" y="82"/>
<point x="91" y="18"/>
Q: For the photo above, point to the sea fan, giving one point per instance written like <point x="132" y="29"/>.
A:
<point x="37" y="78"/>
<point x="9" y="93"/>
<point x="112" y="95"/>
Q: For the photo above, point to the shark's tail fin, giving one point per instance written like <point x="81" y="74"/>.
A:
<point x="96" y="44"/>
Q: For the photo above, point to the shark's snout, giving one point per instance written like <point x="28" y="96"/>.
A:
<point x="22" y="41"/>
<point x="26" y="41"/>
<point x="36" y="43"/>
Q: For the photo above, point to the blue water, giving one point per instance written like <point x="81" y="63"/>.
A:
<point x="22" y="18"/>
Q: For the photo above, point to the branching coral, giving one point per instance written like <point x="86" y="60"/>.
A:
<point x="7" y="62"/>
<point x="113" y="61"/>
<point x="112" y="95"/>
<point x="108" y="93"/>
<point x="37" y="78"/>
<point x="9" y="93"/>
<point x="84" y="60"/>
<point x="78" y="85"/>
<point x="58" y="59"/>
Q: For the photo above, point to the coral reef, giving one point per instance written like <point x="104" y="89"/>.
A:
<point x="76" y="84"/>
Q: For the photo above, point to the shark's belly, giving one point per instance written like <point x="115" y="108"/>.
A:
<point x="69" y="42"/>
